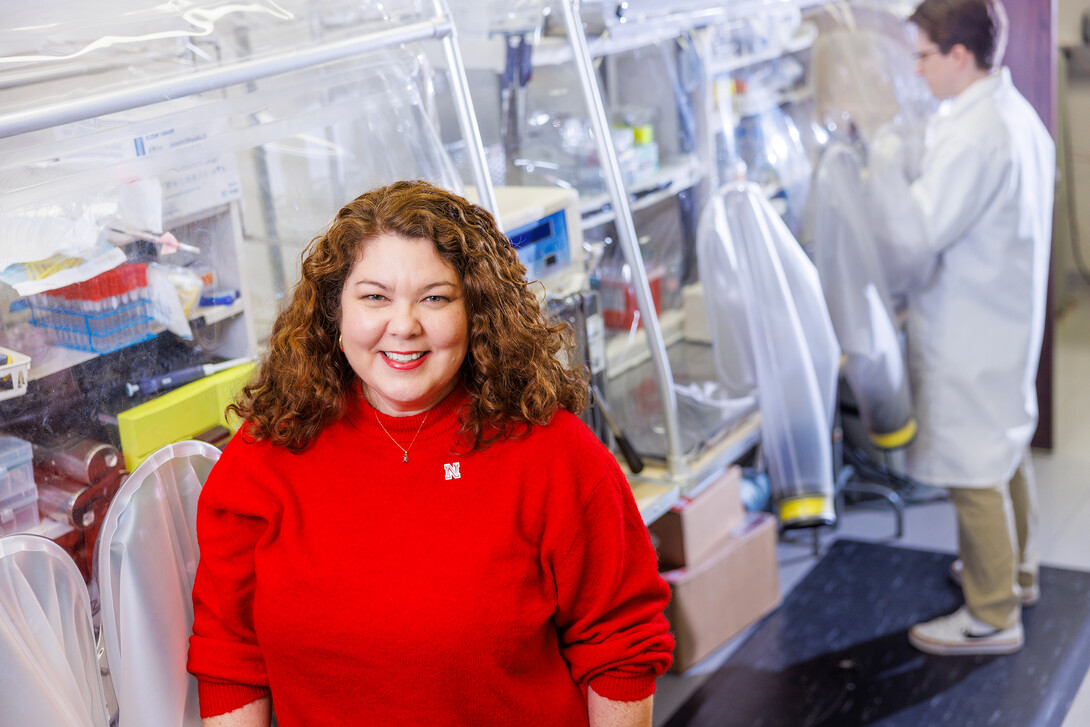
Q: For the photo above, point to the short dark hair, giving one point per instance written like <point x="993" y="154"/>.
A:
<point x="979" y="25"/>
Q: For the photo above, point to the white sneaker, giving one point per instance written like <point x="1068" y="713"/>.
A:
<point x="1029" y="596"/>
<point x="959" y="634"/>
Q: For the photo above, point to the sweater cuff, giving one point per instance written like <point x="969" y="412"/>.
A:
<point x="624" y="689"/>
<point x="218" y="698"/>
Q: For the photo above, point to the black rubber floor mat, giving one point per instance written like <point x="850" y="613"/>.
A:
<point x="836" y="653"/>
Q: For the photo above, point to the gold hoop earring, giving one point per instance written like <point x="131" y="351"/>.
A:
<point x="340" y="341"/>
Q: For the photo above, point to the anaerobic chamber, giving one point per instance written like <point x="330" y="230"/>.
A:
<point x="574" y="95"/>
<point x="199" y="147"/>
<point x="162" y="167"/>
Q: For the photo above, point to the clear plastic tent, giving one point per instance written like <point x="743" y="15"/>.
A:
<point x="858" y="299"/>
<point x="49" y="673"/>
<point x="147" y="558"/>
<point x="53" y="48"/>
<point x="287" y="147"/>
<point x="862" y="71"/>
<point x="767" y="316"/>
<point x="770" y="144"/>
<point x="370" y="123"/>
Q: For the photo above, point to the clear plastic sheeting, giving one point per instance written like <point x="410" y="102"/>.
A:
<point x="65" y="241"/>
<point x="358" y="125"/>
<point x="858" y="299"/>
<point x="769" y="142"/>
<point x="147" y="558"/>
<point x="289" y="150"/>
<point x="707" y="411"/>
<point x="767" y="315"/>
<point x="49" y="673"/>
<point x="484" y="18"/>
<point x="322" y="137"/>
<point x="553" y="143"/>
<point x="862" y="71"/>
<point x="55" y="48"/>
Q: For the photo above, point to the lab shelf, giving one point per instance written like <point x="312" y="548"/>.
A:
<point x="217" y="313"/>
<point x="800" y="42"/>
<point x="598" y="40"/>
<point x="598" y="50"/>
<point x="552" y="51"/>
<point x="55" y="359"/>
<point x="733" y="443"/>
<point x="672" y="176"/>
<point x="627" y="37"/>
<point x="583" y="51"/>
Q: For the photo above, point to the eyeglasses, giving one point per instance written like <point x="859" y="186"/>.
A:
<point x="921" y="54"/>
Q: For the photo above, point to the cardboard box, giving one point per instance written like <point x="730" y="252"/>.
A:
<point x="696" y="327"/>
<point x="715" y="601"/>
<point x="698" y="526"/>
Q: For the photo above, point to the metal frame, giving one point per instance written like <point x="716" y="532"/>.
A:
<point x="685" y="16"/>
<point x="626" y="232"/>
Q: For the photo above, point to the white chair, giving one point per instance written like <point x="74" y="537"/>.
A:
<point x="146" y="560"/>
<point x="49" y="673"/>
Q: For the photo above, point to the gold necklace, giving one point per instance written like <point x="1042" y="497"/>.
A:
<point x="404" y="450"/>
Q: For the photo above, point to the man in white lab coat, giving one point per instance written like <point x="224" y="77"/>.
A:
<point x="969" y="242"/>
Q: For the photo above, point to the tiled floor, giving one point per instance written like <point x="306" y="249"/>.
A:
<point x="1063" y="485"/>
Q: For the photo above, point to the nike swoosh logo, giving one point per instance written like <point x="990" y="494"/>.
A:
<point x="970" y="635"/>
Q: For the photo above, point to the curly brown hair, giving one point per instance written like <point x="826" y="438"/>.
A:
<point x="512" y="370"/>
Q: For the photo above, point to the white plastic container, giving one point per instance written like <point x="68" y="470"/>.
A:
<point x="14" y="368"/>
<point x="18" y="492"/>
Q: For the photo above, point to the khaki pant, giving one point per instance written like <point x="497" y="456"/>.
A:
<point x="997" y="539"/>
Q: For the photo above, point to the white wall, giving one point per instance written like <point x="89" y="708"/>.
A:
<point x="1069" y="32"/>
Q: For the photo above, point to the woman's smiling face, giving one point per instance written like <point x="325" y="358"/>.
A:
<point x="404" y="326"/>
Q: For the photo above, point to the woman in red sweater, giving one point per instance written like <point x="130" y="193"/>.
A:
<point x="412" y="526"/>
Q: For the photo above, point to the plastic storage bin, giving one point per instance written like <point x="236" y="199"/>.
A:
<point x="16" y="468"/>
<point x="15" y="517"/>
<point x="18" y="492"/>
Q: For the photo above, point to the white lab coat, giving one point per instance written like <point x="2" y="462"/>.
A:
<point x="969" y="242"/>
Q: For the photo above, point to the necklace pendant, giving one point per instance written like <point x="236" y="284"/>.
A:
<point x="405" y="457"/>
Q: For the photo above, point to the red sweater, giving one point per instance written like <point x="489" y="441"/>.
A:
<point x="455" y="589"/>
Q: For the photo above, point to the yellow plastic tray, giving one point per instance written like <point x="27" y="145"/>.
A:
<point x="181" y="414"/>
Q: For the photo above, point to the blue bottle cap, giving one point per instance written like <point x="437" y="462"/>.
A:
<point x="219" y="296"/>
